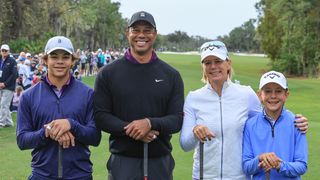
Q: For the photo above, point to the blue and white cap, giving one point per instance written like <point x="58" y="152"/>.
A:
<point x="214" y="48"/>
<point x="59" y="42"/>
<point x="273" y="77"/>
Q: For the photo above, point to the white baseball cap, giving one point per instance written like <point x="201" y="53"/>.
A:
<point x="214" y="48"/>
<point x="59" y="42"/>
<point x="273" y="77"/>
<point x="5" y="47"/>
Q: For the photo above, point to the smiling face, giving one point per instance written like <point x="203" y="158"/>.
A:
<point x="141" y="37"/>
<point x="216" y="70"/>
<point x="59" y="63"/>
<point x="273" y="97"/>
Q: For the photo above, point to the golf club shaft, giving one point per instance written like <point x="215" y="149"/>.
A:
<point x="201" y="160"/>
<point x="268" y="175"/>
<point x="60" y="162"/>
<point x="145" y="161"/>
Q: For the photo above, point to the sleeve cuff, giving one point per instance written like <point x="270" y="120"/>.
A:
<point x="43" y="137"/>
<point x="152" y="124"/>
<point x="43" y="133"/>
<point x="72" y="125"/>
<point x="148" y="120"/>
<point x="281" y="167"/>
<point x="256" y="161"/>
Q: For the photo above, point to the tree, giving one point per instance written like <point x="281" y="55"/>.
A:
<point x="90" y="24"/>
<point x="289" y="33"/>
<point x="243" y="38"/>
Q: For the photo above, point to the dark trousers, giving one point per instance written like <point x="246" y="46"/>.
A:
<point x="34" y="177"/>
<point x="129" y="168"/>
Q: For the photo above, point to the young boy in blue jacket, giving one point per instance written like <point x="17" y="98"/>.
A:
<point x="273" y="148"/>
<point x="55" y="119"/>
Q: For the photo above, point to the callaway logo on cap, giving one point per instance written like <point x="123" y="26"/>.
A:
<point x="273" y="77"/>
<point x="214" y="48"/>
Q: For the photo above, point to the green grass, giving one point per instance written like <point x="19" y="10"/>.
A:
<point x="304" y="98"/>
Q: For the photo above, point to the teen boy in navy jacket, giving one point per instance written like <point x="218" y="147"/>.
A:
<point x="55" y="119"/>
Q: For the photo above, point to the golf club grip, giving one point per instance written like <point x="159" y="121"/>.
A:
<point x="201" y="160"/>
<point x="145" y="161"/>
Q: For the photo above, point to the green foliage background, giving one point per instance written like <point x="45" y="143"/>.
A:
<point x="289" y="32"/>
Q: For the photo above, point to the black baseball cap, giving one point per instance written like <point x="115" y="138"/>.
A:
<point x="142" y="16"/>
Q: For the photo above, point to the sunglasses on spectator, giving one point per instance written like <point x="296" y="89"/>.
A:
<point x="3" y="50"/>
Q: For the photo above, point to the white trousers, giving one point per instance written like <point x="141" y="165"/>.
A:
<point x="5" y="100"/>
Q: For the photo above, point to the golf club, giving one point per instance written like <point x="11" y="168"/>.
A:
<point x="60" y="167"/>
<point x="201" y="160"/>
<point x="268" y="175"/>
<point x="145" y="161"/>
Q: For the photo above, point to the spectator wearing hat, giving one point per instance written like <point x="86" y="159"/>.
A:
<point x="272" y="146"/>
<point x="29" y="57"/>
<point x="139" y="100"/>
<point x="54" y="122"/>
<point x="216" y="114"/>
<point x="8" y="76"/>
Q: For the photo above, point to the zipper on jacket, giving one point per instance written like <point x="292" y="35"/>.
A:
<point x="58" y="104"/>
<point x="60" y="159"/>
<point x="272" y="128"/>
<point x="221" y="126"/>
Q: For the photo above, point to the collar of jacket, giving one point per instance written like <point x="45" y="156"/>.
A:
<point x="226" y="84"/>
<point x="46" y="80"/>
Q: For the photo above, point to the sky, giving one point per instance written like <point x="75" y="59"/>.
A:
<point x="206" y="18"/>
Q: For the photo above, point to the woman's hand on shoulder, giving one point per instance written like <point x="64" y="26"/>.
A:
<point x="301" y="123"/>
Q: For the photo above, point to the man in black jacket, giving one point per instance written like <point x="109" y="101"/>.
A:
<point x="8" y="76"/>
<point x="138" y="99"/>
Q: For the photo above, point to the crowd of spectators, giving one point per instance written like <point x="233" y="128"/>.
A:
<point x="31" y="68"/>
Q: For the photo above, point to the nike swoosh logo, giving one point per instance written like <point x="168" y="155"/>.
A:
<point x="158" y="80"/>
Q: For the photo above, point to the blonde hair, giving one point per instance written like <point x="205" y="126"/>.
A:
<point x="19" y="88"/>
